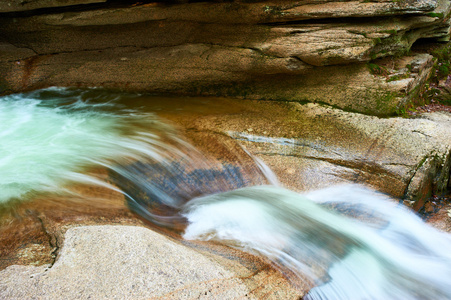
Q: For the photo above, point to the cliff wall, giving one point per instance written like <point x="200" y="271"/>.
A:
<point x="313" y="51"/>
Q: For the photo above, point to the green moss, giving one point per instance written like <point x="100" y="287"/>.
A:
<point x="377" y="41"/>
<point x="396" y="45"/>
<point x="391" y="31"/>
<point x="443" y="64"/>
<point x="373" y="68"/>
<point x="435" y="15"/>
<point x="409" y="67"/>
<point x="381" y="102"/>
<point x="394" y="78"/>
<point x="377" y="70"/>
<point x="398" y="77"/>
<point x="402" y="112"/>
<point x="385" y="101"/>
<point x="421" y="163"/>
<point x="442" y="53"/>
<point x="443" y="70"/>
<point x="403" y="52"/>
<point x="445" y="101"/>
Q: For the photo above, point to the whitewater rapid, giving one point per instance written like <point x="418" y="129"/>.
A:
<point x="345" y="242"/>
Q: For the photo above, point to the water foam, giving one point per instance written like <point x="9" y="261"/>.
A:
<point x="349" y="241"/>
<point x="345" y="242"/>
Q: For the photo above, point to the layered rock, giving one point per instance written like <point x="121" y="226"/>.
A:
<point x="26" y="5"/>
<point x="290" y="50"/>
<point x="311" y="146"/>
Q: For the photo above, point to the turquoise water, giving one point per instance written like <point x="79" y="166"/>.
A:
<point x="346" y="242"/>
<point x="50" y="138"/>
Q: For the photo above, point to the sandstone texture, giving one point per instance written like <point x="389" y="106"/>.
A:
<point x="314" y="51"/>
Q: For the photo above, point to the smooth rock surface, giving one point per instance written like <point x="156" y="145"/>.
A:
<point x="309" y="146"/>
<point x="313" y="146"/>
<point x="123" y="262"/>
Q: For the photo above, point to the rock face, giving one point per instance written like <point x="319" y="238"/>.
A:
<point x="290" y="50"/>
<point x="25" y="5"/>
<point x="130" y="262"/>
<point x="311" y="146"/>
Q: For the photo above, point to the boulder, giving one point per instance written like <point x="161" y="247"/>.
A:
<point x="132" y="262"/>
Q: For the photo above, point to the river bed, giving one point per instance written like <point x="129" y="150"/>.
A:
<point x="202" y="167"/>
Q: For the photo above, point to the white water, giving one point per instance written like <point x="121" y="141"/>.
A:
<point x="349" y="242"/>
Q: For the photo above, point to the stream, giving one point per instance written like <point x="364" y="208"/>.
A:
<point x="345" y="241"/>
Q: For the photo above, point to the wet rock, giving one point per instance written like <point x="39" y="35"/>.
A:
<point x="32" y="232"/>
<point x="309" y="146"/>
<point x="441" y="219"/>
<point x="312" y="146"/>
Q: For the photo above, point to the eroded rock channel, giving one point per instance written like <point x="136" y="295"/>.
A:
<point x="306" y="96"/>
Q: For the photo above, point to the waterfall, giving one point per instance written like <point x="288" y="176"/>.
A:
<point x="345" y="242"/>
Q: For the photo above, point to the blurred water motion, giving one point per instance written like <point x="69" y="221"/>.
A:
<point x="345" y="242"/>
<point x="350" y="242"/>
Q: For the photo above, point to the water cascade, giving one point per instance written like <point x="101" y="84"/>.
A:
<point x="345" y="242"/>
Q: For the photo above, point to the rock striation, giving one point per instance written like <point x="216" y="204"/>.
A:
<point x="314" y="51"/>
<point x="27" y="5"/>
<point x="312" y="146"/>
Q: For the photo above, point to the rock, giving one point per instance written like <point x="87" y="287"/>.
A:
<point x="129" y="262"/>
<point x="284" y="50"/>
<point x="309" y="146"/>
<point x="352" y="86"/>
<point x="11" y="53"/>
<point x="24" y="5"/>
<point x="312" y="146"/>
<point x="442" y="219"/>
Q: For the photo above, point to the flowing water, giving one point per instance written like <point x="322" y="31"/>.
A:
<point x="347" y="242"/>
